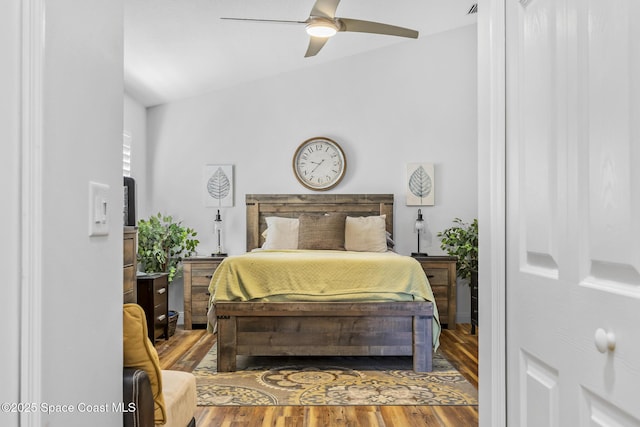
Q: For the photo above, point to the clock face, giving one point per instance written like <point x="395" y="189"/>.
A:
<point x="319" y="163"/>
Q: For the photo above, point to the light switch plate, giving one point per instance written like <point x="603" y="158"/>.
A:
<point x="98" y="209"/>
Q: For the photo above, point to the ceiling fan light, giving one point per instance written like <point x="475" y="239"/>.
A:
<point x="321" y="29"/>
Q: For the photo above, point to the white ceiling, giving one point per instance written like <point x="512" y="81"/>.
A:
<point x="176" y="49"/>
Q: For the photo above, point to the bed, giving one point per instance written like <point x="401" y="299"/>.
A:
<point x="292" y="322"/>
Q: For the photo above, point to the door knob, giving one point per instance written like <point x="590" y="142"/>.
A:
<point x="605" y="340"/>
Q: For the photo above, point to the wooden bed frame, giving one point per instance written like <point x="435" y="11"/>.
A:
<point x="318" y="328"/>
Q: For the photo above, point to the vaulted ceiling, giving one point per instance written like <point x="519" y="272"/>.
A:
<point x="176" y="49"/>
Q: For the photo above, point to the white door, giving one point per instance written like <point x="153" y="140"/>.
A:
<point x="573" y="212"/>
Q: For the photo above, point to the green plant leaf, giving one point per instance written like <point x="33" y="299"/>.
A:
<point x="461" y="241"/>
<point x="163" y="243"/>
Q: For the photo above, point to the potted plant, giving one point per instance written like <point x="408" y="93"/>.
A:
<point x="163" y="243"/>
<point x="461" y="241"/>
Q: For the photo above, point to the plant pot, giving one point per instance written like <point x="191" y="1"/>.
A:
<point x="173" y="322"/>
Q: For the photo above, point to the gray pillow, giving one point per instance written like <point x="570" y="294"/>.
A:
<point x="321" y="231"/>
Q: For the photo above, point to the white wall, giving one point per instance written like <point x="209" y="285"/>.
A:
<point x="411" y="102"/>
<point x="10" y="212"/>
<point x="82" y="288"/>
<point x="71" y="348"/>
<point x="135" y="124"/>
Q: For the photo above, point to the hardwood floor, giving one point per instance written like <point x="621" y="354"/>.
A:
<point x="185" y="349"/>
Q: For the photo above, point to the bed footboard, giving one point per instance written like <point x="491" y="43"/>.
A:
<point x="324" y="329"/>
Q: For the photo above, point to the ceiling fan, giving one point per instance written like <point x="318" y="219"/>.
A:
<point x="323" y="23"/>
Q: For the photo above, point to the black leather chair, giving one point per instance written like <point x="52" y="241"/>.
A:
<point x="138" y="399"/>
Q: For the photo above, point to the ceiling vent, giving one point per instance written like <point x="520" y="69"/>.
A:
<point x="473" y="9"/>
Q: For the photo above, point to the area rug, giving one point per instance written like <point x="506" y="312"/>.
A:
<point x="343" y="381"/>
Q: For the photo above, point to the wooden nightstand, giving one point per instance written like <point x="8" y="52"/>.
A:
<point x="153" y="297"/>
<point x="197" y="276"/>
<point x="441" y="272"/>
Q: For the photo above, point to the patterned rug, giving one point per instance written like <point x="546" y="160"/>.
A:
<point x="339" y="381"/>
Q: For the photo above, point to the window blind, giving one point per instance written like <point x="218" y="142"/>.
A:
<point x="126" y="154"/>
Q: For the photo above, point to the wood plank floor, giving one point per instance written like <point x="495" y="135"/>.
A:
<point x="185" y="349"/>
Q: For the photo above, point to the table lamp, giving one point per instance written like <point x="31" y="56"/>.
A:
<point x="217" y="232"/>
<point x="419" y="228"/>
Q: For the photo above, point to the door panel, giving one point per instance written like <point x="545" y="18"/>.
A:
<point x="539" y="384"/>
<point x="610" y="96"/>
<point x="573" y="211"/>
<point x="597" y="412"/>
<point x="540" y="132"/>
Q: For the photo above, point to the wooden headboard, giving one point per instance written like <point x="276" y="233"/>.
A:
<point x="260" y="206"/>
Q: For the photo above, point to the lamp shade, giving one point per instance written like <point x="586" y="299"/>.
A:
<point x="419" y="225"/>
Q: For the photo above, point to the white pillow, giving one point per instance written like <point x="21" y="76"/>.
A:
<point x="282" y="233"/>
<point x="365" y="234"/>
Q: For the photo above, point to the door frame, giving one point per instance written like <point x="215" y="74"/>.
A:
<point x="492" y="212"/>
<point x="29" y="201"/>
<point x="491" y="209"/>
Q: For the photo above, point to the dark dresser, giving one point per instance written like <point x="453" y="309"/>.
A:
<point x="153" y="297"/>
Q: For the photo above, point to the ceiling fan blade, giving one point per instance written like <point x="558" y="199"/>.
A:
<point x="277" y="21"/>
<point x="325" y="8"/>
<point x="315" y="44"/>
<point x="358" y="26"/>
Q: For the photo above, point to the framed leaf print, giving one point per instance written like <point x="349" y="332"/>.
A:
<point x="420" y="184"/>
<point x="217" y="186"/>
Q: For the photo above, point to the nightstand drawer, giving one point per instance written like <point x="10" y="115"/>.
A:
<point x="199" y="309"/>
<point x="201" y="275"/>
<point x="441" y="293"/>
<point x="160" y="310"/>
<point x="160" y="289"/>
<point x="437" y="276"/>
<point x="201" y="281"/>
<point x="199" y="304"/>
<point x="198" y="272"/>
<point x="161" y="320"/>
<point x="441" y="273"/>
<point x="200" y="293"/>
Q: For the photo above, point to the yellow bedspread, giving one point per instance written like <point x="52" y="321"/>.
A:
<point x="315" y="275"/>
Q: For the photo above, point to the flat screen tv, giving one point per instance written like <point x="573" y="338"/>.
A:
<point x="129" y="201"/>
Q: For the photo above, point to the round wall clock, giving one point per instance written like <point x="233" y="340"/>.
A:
<point x="319" y="163"/>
